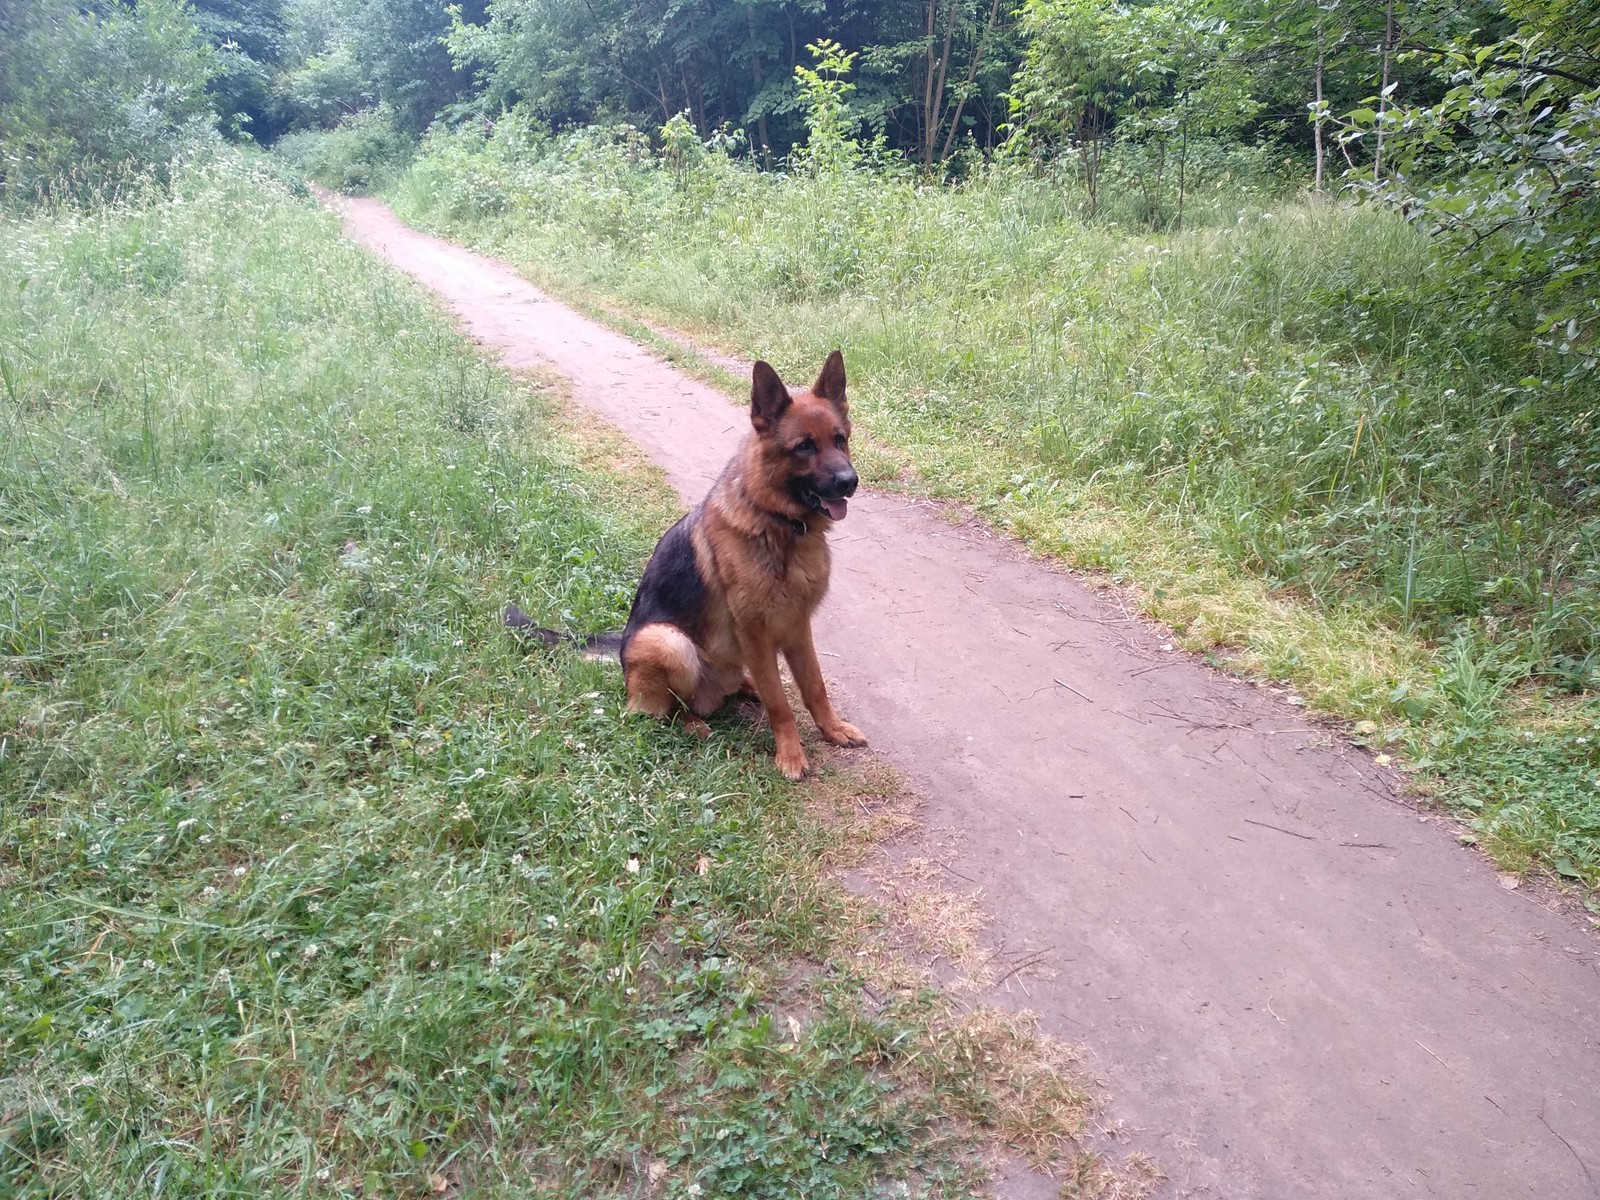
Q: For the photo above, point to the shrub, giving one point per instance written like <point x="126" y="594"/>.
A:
<point x="362" y="152"/>
<point x="89" y="98"/>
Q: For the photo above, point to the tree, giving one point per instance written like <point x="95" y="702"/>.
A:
<point x="1157" y="75"/>
<point x="1507" y="166"/>
<point x="400" y="48"/>
<point x="248" y="38"/>
<point x="1076" y="74"/>
<point x="87" y="97"/>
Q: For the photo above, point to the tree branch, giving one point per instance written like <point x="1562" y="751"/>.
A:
<point x="1535" y="68"/>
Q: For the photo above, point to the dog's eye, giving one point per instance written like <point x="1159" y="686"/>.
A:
<point x="840" y="440"/>
<point x="805" y="447"/>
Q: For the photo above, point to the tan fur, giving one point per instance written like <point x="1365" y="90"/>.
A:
<point x="765" y="580"/>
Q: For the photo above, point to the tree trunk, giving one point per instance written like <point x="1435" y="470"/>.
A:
<point x="1316" y="131"/>
<point x="972" y="73"/>
<point x="938" y="93"/>
<point x="1183" y="157"/>
<point x="927" y="75"/>
<point x="755" y="76"/>
<point x="666" y="107"/>
<point x="1383" y="94"/>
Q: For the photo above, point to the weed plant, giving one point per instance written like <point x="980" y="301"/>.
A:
<point x="311" y="881"/>
<point x="1288" y="423"/>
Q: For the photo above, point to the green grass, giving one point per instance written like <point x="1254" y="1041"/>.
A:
<point x="312" y="881"/>
<point x="1286" y="427"/>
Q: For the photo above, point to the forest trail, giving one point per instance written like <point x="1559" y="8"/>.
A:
<point x="1293" y="985"/>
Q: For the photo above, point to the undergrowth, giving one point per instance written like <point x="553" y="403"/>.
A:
<point x="1284" y="425"/>
<point x="311" y="880"/>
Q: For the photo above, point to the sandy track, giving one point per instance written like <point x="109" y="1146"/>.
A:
<point x="1294" y="985"/>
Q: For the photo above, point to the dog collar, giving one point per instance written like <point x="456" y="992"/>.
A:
<point x="800" y="528"/>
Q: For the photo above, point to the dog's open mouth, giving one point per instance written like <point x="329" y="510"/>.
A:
<point x="834" y="506"/>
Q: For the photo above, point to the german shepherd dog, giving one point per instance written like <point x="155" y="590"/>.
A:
<point x="736" y="581"/>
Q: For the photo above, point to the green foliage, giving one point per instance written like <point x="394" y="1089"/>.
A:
<point x="400" y="46"/>
<point x="825" y="99"/>
<point x="312" y="880"/>
<point x="324" y="89"/>
<point x="1506" y="167"/>
<point x="1157" y="76"/>
<point x="92" y="96"/>
<point x="364" y="151"/>
<point x="1072" y="82"/>
<point x="248" y="37"/>
<point x="733" y="63"/>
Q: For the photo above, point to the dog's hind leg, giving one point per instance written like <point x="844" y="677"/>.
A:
<point x="662" y="667"/>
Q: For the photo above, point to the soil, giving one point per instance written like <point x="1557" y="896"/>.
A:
<point x="1294" y="983"/>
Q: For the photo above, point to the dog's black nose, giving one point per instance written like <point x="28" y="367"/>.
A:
<point x="845" y="482"/>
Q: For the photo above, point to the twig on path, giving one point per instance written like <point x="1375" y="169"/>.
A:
<point x="1406" y="900"/>
<point x="1367" y="845"/>
<point x="1310" y="837"/>
<point x="1439" y="1060"/>
<point x="1071" y="689"/>
<point x="1570" y="1150"/>
<point x="1129" y="815"/>
<point x="1032" y="960"/>
<point x="955" y="872"/>
<point x="1157" y="667"/>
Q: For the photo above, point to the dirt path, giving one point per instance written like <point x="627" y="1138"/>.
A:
<point x="1294" y="985"/>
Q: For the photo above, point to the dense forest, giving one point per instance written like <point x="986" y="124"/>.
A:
<point x="1480" y="117"/>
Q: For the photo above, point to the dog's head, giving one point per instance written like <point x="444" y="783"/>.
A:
<point x="804" y="439"/>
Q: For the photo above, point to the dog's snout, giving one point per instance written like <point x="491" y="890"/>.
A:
<point x="845" y="481"/>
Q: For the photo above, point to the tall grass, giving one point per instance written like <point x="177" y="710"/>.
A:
<point x="1287" y="423"/>
<point x="311" y="882"/>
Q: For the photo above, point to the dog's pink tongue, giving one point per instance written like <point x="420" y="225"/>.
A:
<point x="835" y="507"/>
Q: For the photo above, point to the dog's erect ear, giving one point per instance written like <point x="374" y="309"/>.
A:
<point x="769" y="399"/>
<point x="830" y="384"/>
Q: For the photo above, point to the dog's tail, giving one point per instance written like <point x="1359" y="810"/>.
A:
<point x="607" y="647"/>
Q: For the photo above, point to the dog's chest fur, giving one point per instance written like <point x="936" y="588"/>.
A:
<point x="770" y="575"/>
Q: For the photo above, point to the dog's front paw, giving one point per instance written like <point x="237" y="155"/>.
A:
<point x="845" y="734"/>
<point x="693" y="724"/>
<point x="792" y="762"/>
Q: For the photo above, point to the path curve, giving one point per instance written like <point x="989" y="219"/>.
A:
<point x="1295" y="986"/>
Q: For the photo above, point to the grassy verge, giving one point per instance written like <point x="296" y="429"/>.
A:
<point x="311" y="881"/>
<point x="1279" y="429"/>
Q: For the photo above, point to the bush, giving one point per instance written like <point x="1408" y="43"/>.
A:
<point x="363" y="152"/>
<point x="89" y="98"/>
